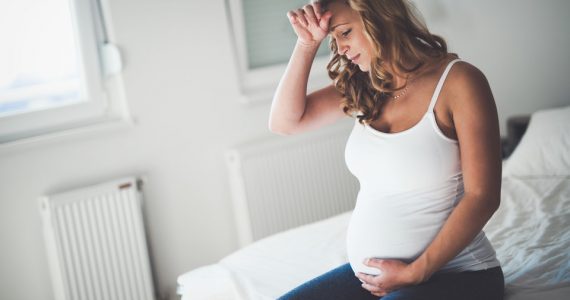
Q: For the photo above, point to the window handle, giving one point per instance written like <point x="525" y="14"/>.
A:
<point x="111" y="58"/>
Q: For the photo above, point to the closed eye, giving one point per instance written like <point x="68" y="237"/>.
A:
<point x="346" y="33"/>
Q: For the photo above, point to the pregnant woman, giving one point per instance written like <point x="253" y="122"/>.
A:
<point x="425" y="148"/>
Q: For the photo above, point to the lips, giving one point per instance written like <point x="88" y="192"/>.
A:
<point x="354" y="59"/>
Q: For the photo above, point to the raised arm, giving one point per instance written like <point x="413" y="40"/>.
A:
<point x="292" y="110"/>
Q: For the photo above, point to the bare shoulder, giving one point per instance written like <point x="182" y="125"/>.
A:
<point x="465" y="77"/>
<point x="467" y="88"/>
<point x="473" y="113"/>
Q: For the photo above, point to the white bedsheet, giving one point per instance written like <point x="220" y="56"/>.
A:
<point x="530" y="233"/>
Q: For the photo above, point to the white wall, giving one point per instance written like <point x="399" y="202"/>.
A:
<point x="181" y="86"/>
<point x="522" y="46"/>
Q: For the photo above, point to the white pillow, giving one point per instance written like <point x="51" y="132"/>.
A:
<point x="544" y="149"/>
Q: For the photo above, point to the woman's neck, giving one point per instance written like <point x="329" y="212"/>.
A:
<point x="399" y="79"/>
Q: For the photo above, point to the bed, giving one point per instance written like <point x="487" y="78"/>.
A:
<point x="530" y="231"/>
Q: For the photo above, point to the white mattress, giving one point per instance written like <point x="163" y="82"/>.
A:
<point x="529" y="232"/>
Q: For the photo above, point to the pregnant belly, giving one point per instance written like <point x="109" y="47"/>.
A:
<point x="389" y="230"/>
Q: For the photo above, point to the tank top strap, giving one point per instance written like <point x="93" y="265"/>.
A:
<point x="440" y="85"/>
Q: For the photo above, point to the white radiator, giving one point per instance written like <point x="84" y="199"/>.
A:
<point x="96" y="242"/>
<point x="283" y="182"/>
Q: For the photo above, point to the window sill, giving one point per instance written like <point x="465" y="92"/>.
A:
<point x="103" y="126"/>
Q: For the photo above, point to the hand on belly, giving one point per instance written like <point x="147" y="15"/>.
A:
<point x="385" y="238"/>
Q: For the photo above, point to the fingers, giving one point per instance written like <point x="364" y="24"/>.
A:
<point x="309" y="24"/>
<point x="381" y="294"/>
<point x="302" y="17"/>
<point x="324" y="20"/>
<point x="310" y="15"/>
<point x="318" y="9"/>
<point x="296" y="20"/>
<point x="365" y="277"/>
<point x="373" y="262"/>
<point x="292" y="17"/>
<point x="372" y="288"/>
<point x="369" y="284"/>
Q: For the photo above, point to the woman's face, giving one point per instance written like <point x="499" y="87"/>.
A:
<point x="348" y="31"/>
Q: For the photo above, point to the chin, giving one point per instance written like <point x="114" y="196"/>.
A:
<point x="363" y="69"/>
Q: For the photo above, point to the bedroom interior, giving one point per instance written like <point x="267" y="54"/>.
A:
<point x="202" y="146"/>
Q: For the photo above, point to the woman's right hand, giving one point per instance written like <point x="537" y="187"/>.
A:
<point x="310" y="24"/>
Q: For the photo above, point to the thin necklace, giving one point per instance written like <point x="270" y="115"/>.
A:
<point x="400" y="94"/>
<point x="403" y="92"/>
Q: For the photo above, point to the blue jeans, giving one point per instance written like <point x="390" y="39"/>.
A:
<point x="341" y="283"/>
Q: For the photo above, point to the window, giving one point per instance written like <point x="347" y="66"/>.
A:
<point x="263" y="41"/>
<point x="58" y="70"/>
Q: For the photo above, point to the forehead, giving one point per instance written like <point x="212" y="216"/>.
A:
<point x="341" y="13"/>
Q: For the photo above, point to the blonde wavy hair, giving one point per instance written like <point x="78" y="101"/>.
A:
<point x="398" y="37"/>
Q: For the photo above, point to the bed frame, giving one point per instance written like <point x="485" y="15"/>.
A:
<point x="516" y="127"/>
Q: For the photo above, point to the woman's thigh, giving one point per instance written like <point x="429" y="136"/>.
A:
<point x="342" y="284"/>
<point x="473" y="285"/>
<point x="339" y="283"/>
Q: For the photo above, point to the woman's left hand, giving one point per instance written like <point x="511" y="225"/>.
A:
<point x="394" y="274"/>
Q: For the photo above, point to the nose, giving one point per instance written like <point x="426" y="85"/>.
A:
<point x="342" y="48"/>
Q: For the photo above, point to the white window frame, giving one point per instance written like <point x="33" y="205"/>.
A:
<point x="99" y="68"/>
<point x="258" y="85"/>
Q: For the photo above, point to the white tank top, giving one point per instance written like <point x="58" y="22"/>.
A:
<point x="410" y="182"/>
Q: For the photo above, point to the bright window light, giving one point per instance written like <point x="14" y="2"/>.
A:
<point x="38" y="56"/>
